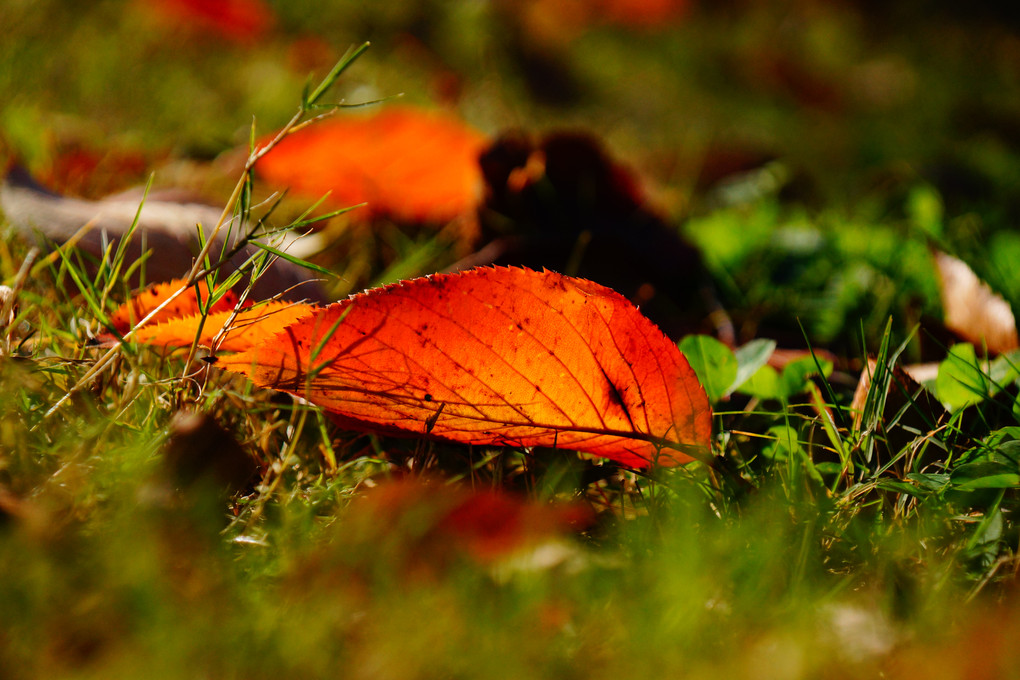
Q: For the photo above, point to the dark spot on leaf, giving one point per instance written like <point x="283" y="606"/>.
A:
<point x="428" y="397"/>
<point x="614" y="395"/>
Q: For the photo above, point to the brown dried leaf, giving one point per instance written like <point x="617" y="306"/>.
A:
<point x="972" y="310"/>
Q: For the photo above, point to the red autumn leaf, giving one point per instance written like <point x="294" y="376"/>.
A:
<point x="249" y="328"/>
<point x="407" y="164"/>
<point x="648" y="14"/>
<point x="241" y="21"/>
<point x="187" y="303"/>
<point x="493" y="523"/>
<point x="495" y="356"/>
<point x="554" y="22"/>
<point x="486" y="524"/>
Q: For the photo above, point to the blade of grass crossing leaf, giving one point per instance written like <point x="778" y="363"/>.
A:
<point x="9" y="301"/>
<point x="307" y="222"/>
<point x="798" y="452"/>
<point x="888" y="364"/>
<point x="961" y="382"/>
<point x="231" y="204"/>
<point x="314" y="370"/>
<point x="327" y="445"/>
<point x="1003" y="370"/>
<point x="874" y="404"/>
<point x="85" y="287"/>
<point x="200" y="235"/>
<point x="225" y="286"/>
<point x="825" y="382"/>
<point x="138" y="266"/>
<point x="991" y="515"/>
<point x="68" y="245"/>
<point x="831" y="431"/>
<point x="342" y="65"/>
<point x="416" y="260"/>
<point x="292" y="259"/>
<point x="120" y="256"/>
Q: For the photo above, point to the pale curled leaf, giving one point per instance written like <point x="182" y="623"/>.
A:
<point x="496" y="356"/>
<point x="972" y="309"/>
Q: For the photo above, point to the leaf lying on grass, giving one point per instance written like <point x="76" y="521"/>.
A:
<point x="964" y="379"/>
<point x="182" y="321"/>
<point x="248" y="328"/>
<point x="972" y="309"/>
<point x="188" y="303"/>
<point x="495" y="356"/>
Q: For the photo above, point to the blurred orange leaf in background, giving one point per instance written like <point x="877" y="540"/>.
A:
<point x="407" y="164"/>
<point x="557" y="22"/>
<point x="486" y="524"/>
<point x="495" y="356"/>
<point x="240" y="21"/>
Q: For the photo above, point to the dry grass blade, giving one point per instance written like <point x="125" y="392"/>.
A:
<point x="228" y="210"/>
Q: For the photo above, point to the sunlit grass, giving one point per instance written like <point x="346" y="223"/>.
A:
<point x="821" y="542"/>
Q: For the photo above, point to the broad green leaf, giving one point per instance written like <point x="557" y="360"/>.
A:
<point x="764" y="384"/>
<point x="768" y="383"/>
<point x="993" y="472"/>
<point x="898" y="486"/>
<point x="961" y="381"/>
<point x="786" y="442"/>
<point x="924" y="206"/>
<point x="751" y="357"/>
<point x="1003" y="480"/>
<point x="931" y="481"/>
<point x="796" y="374"/>
<point x="713" y="362"/>
<point x="1004" y="370"/>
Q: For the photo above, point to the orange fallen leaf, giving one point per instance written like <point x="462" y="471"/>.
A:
<point x="406" y="164"/>
<point x="249" y="328"/>
<point x="495" y="356"/>
<point x="186" y="304"/>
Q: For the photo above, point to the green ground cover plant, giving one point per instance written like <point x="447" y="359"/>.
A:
<point x="159" y="516"/>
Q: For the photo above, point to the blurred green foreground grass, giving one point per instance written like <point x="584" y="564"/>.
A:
<point x="813" y="152"/>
